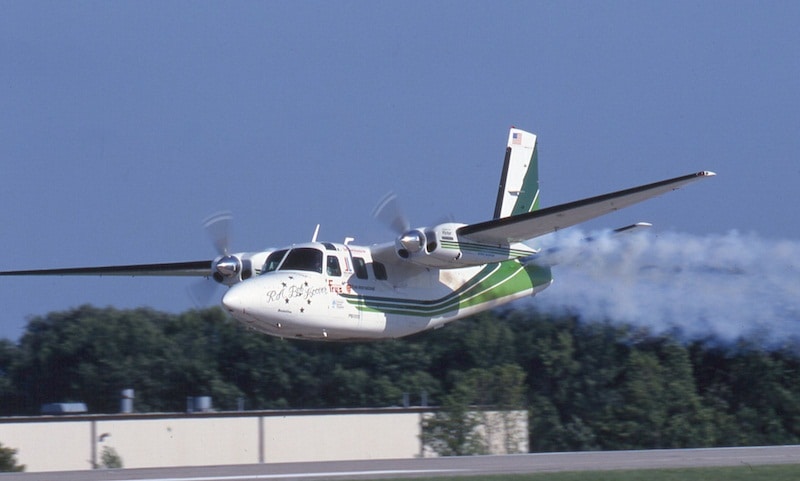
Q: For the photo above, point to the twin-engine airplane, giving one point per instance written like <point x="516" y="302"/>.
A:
<point x="425" y="278"/>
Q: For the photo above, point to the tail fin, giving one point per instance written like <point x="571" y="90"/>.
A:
<point x="519" y="184"/>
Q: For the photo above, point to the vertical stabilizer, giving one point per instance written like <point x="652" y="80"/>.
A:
<point x="519" y="184"/>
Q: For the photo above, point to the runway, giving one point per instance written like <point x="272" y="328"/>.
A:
<point x="451" y="466"/>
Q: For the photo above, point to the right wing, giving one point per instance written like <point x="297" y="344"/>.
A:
<point x="518" y="228"/>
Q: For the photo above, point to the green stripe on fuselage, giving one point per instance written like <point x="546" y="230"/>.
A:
<point x="502" y="250"/>
<point x="495" y="281"/>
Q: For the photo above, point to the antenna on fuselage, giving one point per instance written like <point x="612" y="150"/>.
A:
<point x="316" y="233"/>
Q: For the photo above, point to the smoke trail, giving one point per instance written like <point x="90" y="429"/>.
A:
<point x="724" y="287"/>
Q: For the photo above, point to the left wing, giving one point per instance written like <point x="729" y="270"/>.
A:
<point x="194" y="268"/>
<point x="517" y="228"/>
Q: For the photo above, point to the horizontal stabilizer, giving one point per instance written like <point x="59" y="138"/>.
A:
<point x="522" y="227"/>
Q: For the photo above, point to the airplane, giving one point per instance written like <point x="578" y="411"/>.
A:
<point x="423" y="279"/>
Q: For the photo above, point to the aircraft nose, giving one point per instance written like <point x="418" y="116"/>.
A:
<point x="235" y="299"/>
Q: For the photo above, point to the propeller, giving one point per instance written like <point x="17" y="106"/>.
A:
<point x="225" y="267"/>
<point x="389" y="212"/>
<point x="218" y="228"/>
<point x="201" y="292"/>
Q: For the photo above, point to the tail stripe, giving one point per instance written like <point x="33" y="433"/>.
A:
<point x="498" y="206"/>
<point x="518" y="192"/>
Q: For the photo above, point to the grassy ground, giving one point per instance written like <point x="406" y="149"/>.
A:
<point x="790" y="472"/>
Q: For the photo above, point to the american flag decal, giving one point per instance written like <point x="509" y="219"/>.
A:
<point x="516" y="138"/>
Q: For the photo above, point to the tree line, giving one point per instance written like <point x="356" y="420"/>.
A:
<point x="586" y="385"/>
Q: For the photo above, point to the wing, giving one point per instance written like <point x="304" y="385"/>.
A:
<point x="194" y="268"/>
<point x="522" y="227"/>
<point x="386" y="253"/>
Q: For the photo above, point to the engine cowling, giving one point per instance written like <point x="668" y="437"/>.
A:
<point x="441" y="247"/>
<point x="424" y="246"/>
<point x="410" y="243"/>
<point x="231" y="269"/>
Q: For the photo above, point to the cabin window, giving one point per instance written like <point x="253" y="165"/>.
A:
<point x="333" y="266"/>
<point x="380" y="271"/>
<point x="303" y="259"/>
<point x="274" y="260"/>
<point x="360" y="267"/>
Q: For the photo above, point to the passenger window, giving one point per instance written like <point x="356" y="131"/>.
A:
<point x="360" y="267"/>
<point x="379" y="270"/>
<point x="274" y="260"/>
<point x="333" y="266"/>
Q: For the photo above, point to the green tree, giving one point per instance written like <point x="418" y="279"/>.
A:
<point x="452" y="430"/>
<point x="90" y="355"/>
<point x="488" y="342"/>
<point x="9" y="392"/>
<point x="502" y="389"/>
<point x="643" y="412"/>
<point x="263" y="368"/>
<point x="689" y="422"/>
<point x="110" y="459"/>
<point x="196" y="345"/>
<point x="587" y="384"/>
<point x="654" y="402"/>
<point x="752" y="393"/>
<point x="8" y="460"/>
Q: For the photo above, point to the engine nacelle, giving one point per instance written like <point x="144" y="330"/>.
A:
<point x="441" y="247"/>
<point x="231" y="269"/>
<point x="412" y="243"/>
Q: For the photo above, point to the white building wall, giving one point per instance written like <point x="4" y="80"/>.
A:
<point x="49" y="446"/>
<point x="182" y="441"/>
<point x="334" y="437"/>
<point x="76" y="442"/>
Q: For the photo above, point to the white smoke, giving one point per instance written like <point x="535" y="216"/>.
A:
<point x="720" y="287"/>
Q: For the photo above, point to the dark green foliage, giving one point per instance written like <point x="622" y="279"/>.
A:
<point x="451" y="430"/>
<point x="587" y="385"/>
<point x="8" y="460"/>
<point x="110" y="459"/>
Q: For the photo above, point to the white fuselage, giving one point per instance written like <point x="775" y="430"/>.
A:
<point x="339" y="292"/>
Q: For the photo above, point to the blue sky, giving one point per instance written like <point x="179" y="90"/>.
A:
<point x="124" y="124"/>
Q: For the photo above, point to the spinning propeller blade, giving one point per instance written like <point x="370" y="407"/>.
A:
<point x="218" y="228"/>
<point x="201" y="292"/>
<point x="388" y="212"/>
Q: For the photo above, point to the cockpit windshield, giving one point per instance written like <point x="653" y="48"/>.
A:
<point x="302" y="259"/>
<point x="274" y="260"/>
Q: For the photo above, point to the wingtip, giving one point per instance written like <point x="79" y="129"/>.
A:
<point x="706" y="173"/>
